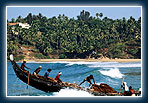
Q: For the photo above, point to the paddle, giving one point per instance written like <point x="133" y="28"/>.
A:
<point x="121" y="84"/>
<point x="28" y="78"/>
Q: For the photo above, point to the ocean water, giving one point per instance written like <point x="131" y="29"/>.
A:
<point x="110" y="73"/>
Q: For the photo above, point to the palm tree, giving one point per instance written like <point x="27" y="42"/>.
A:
<point x="12" y="20"/>
<point x="97" y="14"/>
<point x="101" y="15"/>
<point x="19" y="19"/>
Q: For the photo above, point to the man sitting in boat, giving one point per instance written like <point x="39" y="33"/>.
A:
<point x="58" y="77"/>
<point x="47" y="74"/>
<point x="88" y="79"/>
<point x="35" y="73"/>
<point x="23" y="65"/>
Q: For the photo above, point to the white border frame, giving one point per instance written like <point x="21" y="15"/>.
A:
<point x="79" y="96"/>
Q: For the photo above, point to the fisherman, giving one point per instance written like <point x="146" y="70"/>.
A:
<point x="58" y="77"/>
<point x="126" y="89"/>
<point x="88" y="79"/>
<point x="23" y="65"/>
<point x="139" y="92"/>
<point x="47" y="74"/>
<point x="35" y="73"/>
<point x="132" y="91"/>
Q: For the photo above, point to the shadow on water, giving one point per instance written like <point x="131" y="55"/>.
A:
<point x="133" y="73"/>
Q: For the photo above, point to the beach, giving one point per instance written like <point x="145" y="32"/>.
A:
<point x="84" y="60"/>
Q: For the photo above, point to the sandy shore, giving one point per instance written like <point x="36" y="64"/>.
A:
<point x="85" y="60"/>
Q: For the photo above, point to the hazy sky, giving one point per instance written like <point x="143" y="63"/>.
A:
<point x="110" y="12"/>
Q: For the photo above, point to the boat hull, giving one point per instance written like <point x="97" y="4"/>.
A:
<point x="40" y="84"/>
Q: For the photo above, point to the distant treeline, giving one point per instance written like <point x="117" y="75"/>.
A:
<point x="77" y="38"/>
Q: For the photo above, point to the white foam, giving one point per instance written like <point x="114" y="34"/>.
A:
<point x="90" y="64"/>
<point x="101" y="64"/>
<point x="80" y="63"/>
<point x="113" y="72"/>
<point x="72" y="93"/>
<point x="116" y="65"/>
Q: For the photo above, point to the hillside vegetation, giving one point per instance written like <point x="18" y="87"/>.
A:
<point x="84" y="37"/>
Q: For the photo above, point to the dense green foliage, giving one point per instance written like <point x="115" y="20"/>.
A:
<point x="20" y="57"/>
<point x="40" y="56"/>
<point x="77" y="38"/>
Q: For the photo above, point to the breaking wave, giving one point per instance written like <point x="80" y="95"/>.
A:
<point x="112" y="72"/>
<point x="72" y="93"/>
<point x="134" y="64"/>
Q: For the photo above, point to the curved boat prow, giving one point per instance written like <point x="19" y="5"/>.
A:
<point x="11" y="57"/>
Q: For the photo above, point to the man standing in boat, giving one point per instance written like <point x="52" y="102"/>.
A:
<point x="126" y="89"/>
<point x="88" y="79"/>
<point x="35" y="73"/>
<point x="23" y="65"/>
<point x="58" y="77"/>
<point x="47" y="74"/>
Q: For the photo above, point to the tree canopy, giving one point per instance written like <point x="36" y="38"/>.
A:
<point x="76" y="38"/>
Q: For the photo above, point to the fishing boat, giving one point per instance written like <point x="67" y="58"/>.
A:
<point x="51" y="85"/>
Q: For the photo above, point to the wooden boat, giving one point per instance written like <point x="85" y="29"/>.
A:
<point x="51" y="85"/>
<point x="47" y="85"/>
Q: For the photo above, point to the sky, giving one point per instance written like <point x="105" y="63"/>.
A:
<point x="110" y="12"/>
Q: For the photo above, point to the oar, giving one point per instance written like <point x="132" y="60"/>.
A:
<point x="121" y="84"/>
<point x="28" y="78"/>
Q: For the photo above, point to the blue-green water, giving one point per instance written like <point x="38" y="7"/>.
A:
<point x="110" y="73"/>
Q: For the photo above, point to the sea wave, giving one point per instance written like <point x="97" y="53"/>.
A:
<point x="112" y="72"/>
<point x="81" y="63"/>
<point x="89" y="63"/>
<point x="96" y="64"/>
<point x="101" y="64"/>
<point x="71" y="93"/>
<point x="116" y="65"/>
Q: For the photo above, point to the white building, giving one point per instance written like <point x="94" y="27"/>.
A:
<point x="24" y="25"/>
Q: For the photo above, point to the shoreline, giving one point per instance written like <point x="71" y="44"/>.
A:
<point x="83" y="60"/>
